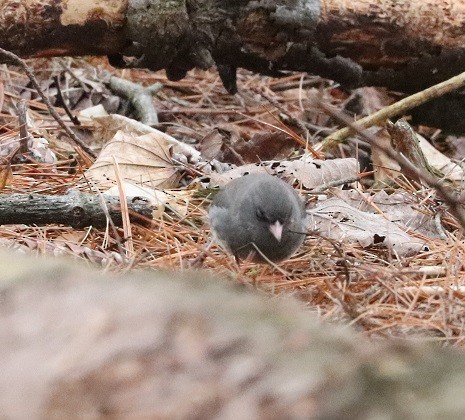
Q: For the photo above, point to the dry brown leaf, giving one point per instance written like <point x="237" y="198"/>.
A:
<point x="210" y="146"/>
<point x="266" y="146"/>
<point x="337" y="220"/>
<point x="228" y="145"/>
<point x="223" y="143"/>
<point x="144" y="160"/>
<point x="368" y="100"/>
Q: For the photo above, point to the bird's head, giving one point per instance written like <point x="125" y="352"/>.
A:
<point x="273" y="214"/>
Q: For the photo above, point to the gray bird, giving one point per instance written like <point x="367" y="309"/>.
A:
<point x="258" y="211"/>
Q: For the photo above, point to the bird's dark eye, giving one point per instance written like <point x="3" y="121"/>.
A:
<point x="260" y="214"/>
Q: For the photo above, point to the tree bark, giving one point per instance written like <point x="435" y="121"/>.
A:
<point x="38" y="28"/>
<point x="76" y="209"/>
<point x="405" y="45"/>
<point x="402" y="44"/>
<point x="375" y="42"/>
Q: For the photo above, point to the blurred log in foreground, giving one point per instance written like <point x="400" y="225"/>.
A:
<point x="171" y="345"/>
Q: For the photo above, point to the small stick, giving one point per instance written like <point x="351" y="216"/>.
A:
<point x="22" y="121"/>
<point x="61" y="99"/>
<point x="139" y="96"/>
<point x="395" y="109"/>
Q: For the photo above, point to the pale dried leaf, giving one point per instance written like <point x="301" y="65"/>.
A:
<point x="13" y="246"/>
<point x="156" y="198"/>
<point x="40" y="150"/>
<point x="175" y="200"/>
<point x="338" y="220"/>
<point x="388" y="169"/>
<point x="313" y="173"/>
<point x="144" y="160"/>
<point x="293" y="94"/>
<point x="440" y="161"/>
<point x="38" y="147"/>
<point x="401" y="207"/>
<point x="220" y="179"/>
<point x="310" y="173"/>
<point x="179" y="201"/>
<point x="8" y="145"/>
<point x="108" y="126"/>
<point x="93" y="112"/>
<point x="68" y="249"/>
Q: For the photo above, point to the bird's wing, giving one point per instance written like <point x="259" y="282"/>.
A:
<point x="233" y="194"/>
<point x="222" y="199"/>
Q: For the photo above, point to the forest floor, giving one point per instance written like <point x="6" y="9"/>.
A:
<point x="370" y="285"/>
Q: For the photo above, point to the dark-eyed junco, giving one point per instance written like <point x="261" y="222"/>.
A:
<point x="258" y="214"/>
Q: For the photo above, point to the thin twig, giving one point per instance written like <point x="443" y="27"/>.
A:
<point x="395" y="109"/>
<point x="61" y="99"/>
<point x="22" y="121"/>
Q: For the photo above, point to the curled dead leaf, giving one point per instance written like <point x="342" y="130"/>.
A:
<point x="108" y="126"/>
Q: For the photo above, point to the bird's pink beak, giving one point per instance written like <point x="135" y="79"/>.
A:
<point x="276" y="230"/>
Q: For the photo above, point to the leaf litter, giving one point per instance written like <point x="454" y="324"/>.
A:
<point x="388" y="262"/>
